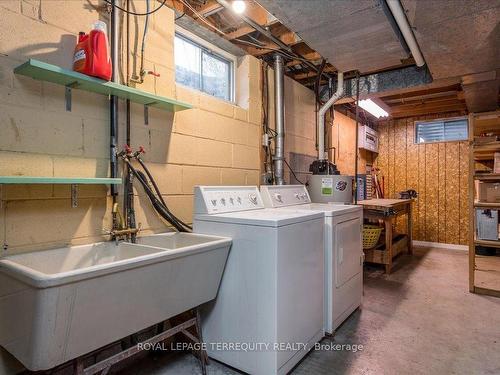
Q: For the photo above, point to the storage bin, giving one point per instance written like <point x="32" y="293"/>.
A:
<point x="489" y="192"/>
<point x="487" y="224"/>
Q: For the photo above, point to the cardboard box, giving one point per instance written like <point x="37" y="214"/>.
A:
<point x="487" y="224"/>
<point x="489" y="192"/>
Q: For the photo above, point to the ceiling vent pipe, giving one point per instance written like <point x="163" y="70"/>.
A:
<point x="400" y="17"/>
<point x="321" y="115"/>
<point x="279" y="112"/>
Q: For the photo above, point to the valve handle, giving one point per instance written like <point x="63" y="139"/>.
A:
<point x="155" y="74"/>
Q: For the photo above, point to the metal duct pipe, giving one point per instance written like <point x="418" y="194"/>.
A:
<point x="113" y="101"/>
<point x="279" y="118"/>
<point x="321" y="115"/>
<point x="404" y="26"/>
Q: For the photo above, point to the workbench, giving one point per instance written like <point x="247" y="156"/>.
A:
<point x="393" y="243"/>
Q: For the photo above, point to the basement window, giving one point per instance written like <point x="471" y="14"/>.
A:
<point x="203" y="67"/>
<point x="444" y="130"/>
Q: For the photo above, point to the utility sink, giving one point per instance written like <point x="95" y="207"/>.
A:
<point x="59" y="304"/>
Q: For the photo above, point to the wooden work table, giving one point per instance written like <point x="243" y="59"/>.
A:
<point x="393" y="244"/>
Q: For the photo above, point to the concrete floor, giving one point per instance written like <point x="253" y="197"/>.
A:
<point x="419" y="320"/>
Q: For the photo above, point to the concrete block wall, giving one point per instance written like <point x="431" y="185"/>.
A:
<point x="300" y="126"/>
<point x="300" y="131"/>
<point x="217" y="142"/>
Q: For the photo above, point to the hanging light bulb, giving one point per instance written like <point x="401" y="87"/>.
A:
<point x="239" y="6"/>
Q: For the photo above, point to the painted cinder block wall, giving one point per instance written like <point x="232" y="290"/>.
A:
<point x="214" y="143"/>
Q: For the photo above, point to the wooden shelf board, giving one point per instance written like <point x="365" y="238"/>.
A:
<point x="55" y="74"/>
<point x="486" y="205"/>
<point x="487" y="291"/>
<point x="58" y="180"/>
<point x="487" y="176"/>
<point x="487" y="274"/>
<point x="486" y="151"/>
<point x="489" y="243"/>
<point x="492" y="146"/>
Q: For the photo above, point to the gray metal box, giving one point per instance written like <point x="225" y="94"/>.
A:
<point x="330" y="188"/>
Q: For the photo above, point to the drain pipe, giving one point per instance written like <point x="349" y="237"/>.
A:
<point x="400" y="17"/>
<point x="279" y="119"/>
<point x="113" y="106"/>
<point x="321" y="115"/>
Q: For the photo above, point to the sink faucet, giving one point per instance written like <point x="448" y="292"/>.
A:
<point x="120" y="231"/>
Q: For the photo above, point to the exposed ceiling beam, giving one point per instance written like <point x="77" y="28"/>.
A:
<point x="426" y="104"/>
<point x="429" y="110"/>
<point x="423" y="92"/>
<point x="210" y="8"/>
<point x="424" y="98"/>
<point x="312" y="56"/>
<point x="306" y="75"/>
<point x="241" y="31"/>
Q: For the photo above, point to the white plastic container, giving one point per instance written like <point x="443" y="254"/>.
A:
<point x="57" y="305"/>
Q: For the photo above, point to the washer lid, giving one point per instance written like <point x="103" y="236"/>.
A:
<point x="268" y="217"/>
<point x="329" y="209"/>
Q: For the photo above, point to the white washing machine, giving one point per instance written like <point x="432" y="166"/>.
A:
<point x="343" y="248"/>
<point x="269" y="309"/>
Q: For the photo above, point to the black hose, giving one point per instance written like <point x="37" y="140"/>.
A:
<point x="153" y="182"/>
<point x="160" y="208"/>
<point x="134" y="13"/>
<point x="158" y="205"/>
<point x="155" y="186"/>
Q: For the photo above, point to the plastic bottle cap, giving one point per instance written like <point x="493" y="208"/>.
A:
<point x="100" y="25"/>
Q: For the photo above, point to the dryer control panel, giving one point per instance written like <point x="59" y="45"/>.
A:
<point x="223" y="199"/>
<point x="284" y="195"/>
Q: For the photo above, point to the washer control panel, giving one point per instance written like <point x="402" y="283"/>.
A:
<point x="284" y="195"/>
<point x="222" y="199"/>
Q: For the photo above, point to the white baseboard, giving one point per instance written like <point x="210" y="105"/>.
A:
<point x="440" y="245"/>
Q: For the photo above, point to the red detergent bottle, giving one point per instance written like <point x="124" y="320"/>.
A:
<point x="92" y="53"/>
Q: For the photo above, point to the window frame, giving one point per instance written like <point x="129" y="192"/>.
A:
<point x="215" y="52"/>
<point x="444" y="120"/>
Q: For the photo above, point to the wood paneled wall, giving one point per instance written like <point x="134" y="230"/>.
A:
<point x="438" y="172"/>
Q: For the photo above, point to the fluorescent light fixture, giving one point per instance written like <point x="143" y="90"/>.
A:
<point x="239" y="6"/>
<point x="372" y="107"/>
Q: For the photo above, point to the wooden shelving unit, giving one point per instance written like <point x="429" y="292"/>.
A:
<point x="484" y="271"/>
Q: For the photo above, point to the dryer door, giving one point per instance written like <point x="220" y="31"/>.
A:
<point x="347" y="245"/>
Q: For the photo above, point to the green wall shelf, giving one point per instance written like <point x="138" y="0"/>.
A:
<point x="58" y="180"/>
<point x="55" y="74"/>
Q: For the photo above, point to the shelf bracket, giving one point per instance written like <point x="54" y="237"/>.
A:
<point x="67" y="98"/>
<point x="74" y="195"/>
<point x="67" y="94"/>
<point x="146" y="114"/>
